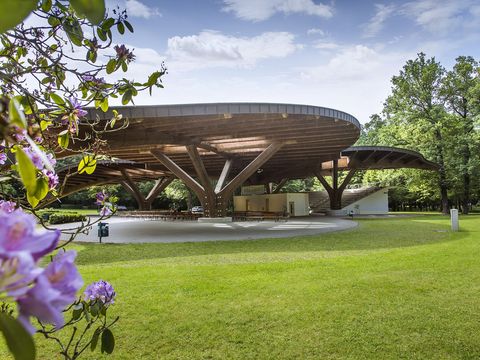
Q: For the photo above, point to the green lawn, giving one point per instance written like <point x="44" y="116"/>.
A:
<point x="392" y="288"/>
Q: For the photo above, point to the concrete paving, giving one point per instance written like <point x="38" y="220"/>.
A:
<point x="127" y="230"/>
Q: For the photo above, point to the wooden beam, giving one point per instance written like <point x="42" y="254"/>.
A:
<point x="224" y="175"/>
<point x="180" y="173"/>
<point x="324" y="182"/>
<point x="159" y="186"/>
<point x="138" y="198"/>
<point x="250" y="169"/>
<point x="132" y="187"/>
<point x="347" y="179"/>
<point x="279" y="186"/>
<point x="200" y="168"/>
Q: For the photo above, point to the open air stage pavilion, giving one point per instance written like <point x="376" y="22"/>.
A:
<point x="217" y="148"/>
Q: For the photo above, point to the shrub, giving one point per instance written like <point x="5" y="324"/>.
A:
<point x="65" y="217"/>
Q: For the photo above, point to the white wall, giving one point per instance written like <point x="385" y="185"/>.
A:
<point x="373" y="204"/>
<point x="301" y="203"/>
<point x="277" y="203"/>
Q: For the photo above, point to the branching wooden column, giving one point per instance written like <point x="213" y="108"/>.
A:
<point x="215" y="201"/>
<point x="334" y="191"/>
<point x="144" y="203"/>
<point x="279" y="186"/>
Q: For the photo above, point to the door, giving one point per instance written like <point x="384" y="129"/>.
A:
<point x="247" y="205"/>
<point x="267" y="204"/>
<point x="291" y="206"/>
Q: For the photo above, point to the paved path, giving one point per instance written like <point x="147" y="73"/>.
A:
<point x="125" y="230"/>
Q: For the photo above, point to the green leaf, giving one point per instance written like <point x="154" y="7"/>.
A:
<point x="108" y="341"/>
<point x="121" y="28"/>
<point x="129" y="26"/>
<point x="101" y="34"/>
<point x="104" y="105"/>
<point x="57" y="99"/>
<point x="127" y="97"/>
<point x="16" y="115"/>
<point x="111" y="66"/>
<point x="63" y="139"/>
<point x="93" y="344"/>
<point x="53" y="21"/>
<point x="13" y="12"/>
<point x="74" y="30"/>
<point x="88" y="164"/>
<point x="93" y="10"/>
<point x="40" y="192"/>
<point x="46" y="5"/>
<point x="19" y="341"/>
<point x="26" y="169"/>
<point x="107" y="24"/>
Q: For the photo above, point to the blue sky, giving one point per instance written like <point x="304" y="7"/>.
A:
<point x="339" y="54"/>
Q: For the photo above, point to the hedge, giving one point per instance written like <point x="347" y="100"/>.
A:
<point x="65" y="217"/>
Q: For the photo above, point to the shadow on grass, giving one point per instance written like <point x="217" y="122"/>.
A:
<point x="371" y="234"/>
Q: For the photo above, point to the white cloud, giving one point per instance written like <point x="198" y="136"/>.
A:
<point x="351" y="63"/>
<point x="325" y="45"/>
<point x="258" y="10"/>
<point x="136" y="8"/>
<point x="315" y="31"/>
<point x="382" y="13"/>
<point x="439" y="17"/>
<point x="212" y="48"/>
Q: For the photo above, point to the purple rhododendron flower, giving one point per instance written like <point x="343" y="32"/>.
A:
<point x="101" y="196"/>
<point x="34" y="156"/>
<point x="3" y="158"/>
<point x="101" y="290"/>
<point x="17" y="273"/>
<point x="105" y="211"/>
<point x="77" y="107"/>
<point x="18" y="234"/>
<point x="7" y="206"/>
<point x="19" y="134"/>
<point x="55" y="288"/>
<point x="123" y="53"/>
<point x="52" y="178"/>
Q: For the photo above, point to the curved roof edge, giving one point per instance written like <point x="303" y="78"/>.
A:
<point x="199" y="109"/>
<point x="357" y="149"/>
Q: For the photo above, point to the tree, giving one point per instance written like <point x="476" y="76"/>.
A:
<point x="457" y="89"/>
<point x="416" y="104"/>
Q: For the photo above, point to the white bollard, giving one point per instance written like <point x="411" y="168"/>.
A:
<point x="454" y="219"/>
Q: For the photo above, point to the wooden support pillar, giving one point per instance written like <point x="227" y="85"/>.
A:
<point x="180" y="173"/>
<point x="334" y="191"/>
<point x="215" y="201"/>
<point x="159" y="186"/>
<point x="142" y="205"/>
<point x="279" y="186"/>
<point x="224" y="175"/>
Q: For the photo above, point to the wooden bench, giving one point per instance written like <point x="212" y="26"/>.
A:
<point x="258" y="216"/>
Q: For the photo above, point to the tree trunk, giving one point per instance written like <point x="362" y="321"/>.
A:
<point x="466" y="180"/>
<point x="442" y="176"/>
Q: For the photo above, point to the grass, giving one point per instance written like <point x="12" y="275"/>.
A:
<point x="391" y="288"/>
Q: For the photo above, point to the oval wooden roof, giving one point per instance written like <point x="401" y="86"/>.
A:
<point x="237" y="131"/>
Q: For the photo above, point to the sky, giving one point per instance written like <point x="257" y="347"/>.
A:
<point x="337" y="54"/>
